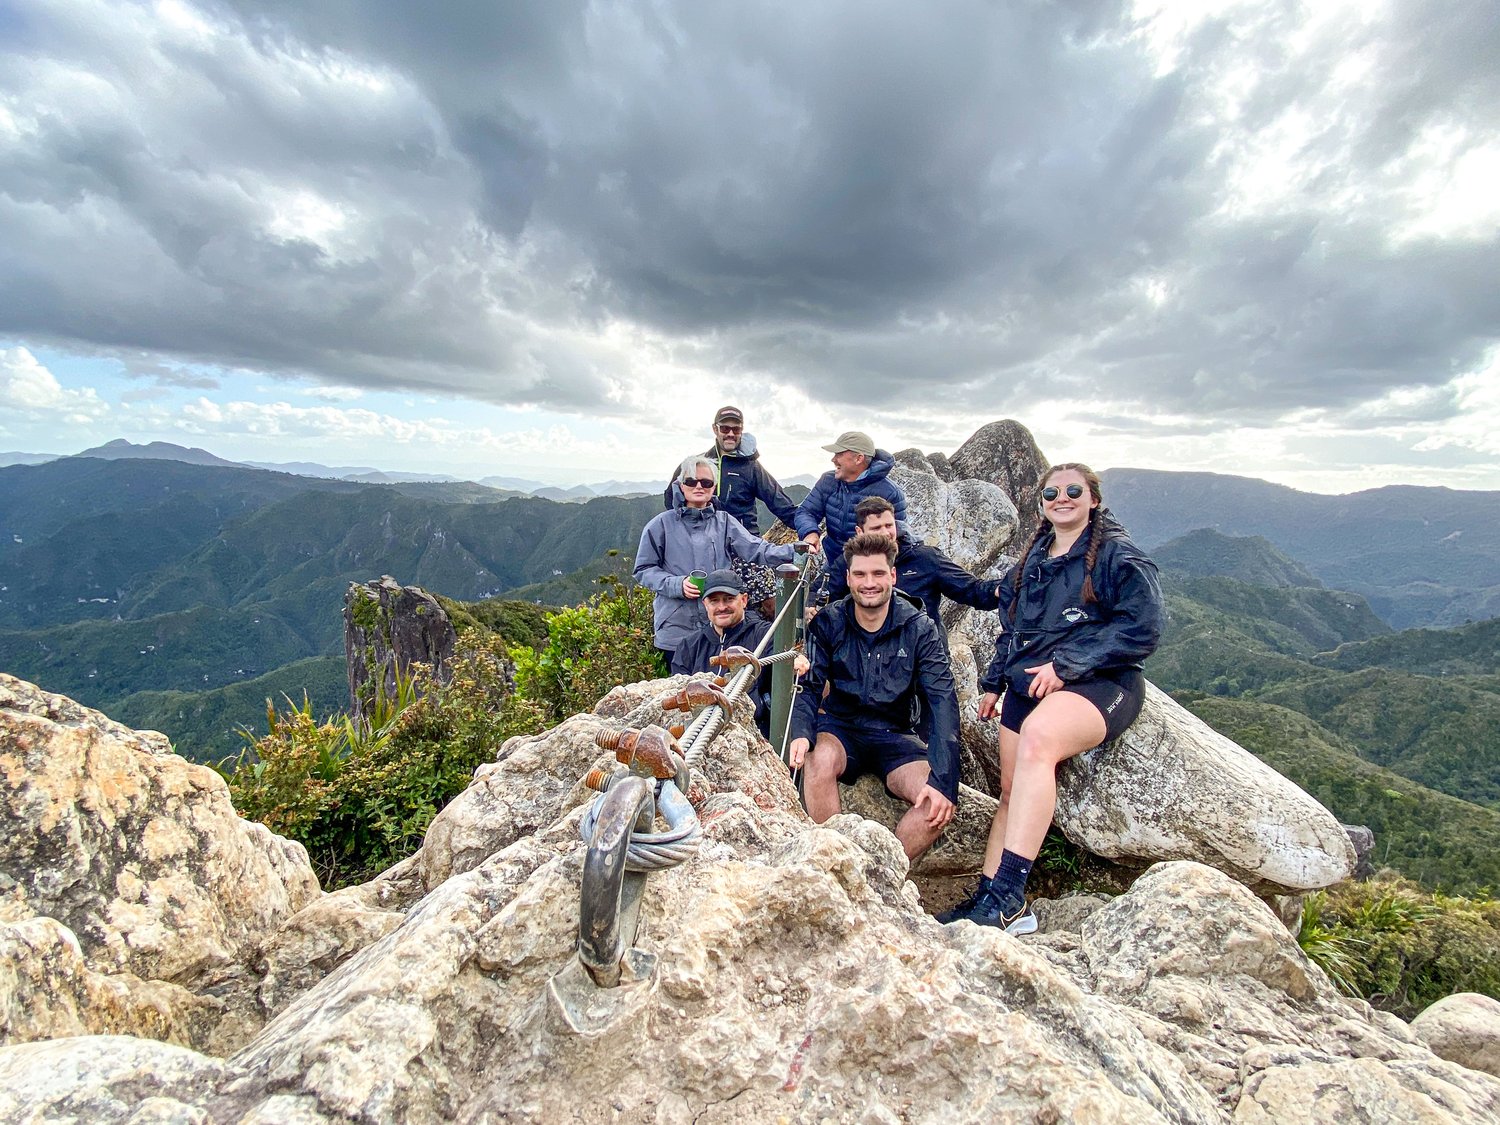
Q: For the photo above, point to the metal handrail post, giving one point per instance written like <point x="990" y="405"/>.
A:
<point x="783" y="675"/>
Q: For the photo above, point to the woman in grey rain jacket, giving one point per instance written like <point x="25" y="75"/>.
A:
<point x="694" y="535"/>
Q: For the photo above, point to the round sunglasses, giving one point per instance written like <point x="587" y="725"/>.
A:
<point x="1052" y="492"/>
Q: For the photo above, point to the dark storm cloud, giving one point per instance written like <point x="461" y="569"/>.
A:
<point x="863" y="200"/>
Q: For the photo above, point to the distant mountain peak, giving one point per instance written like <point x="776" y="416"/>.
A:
<point x="1249" y="558"/>
<point x="121" y="449"/>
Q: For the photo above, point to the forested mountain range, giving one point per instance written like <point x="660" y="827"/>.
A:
<point x="1418" y="555"/>
<point x="180" y="596"/>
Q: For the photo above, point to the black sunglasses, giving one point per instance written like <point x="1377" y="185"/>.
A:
<point x="1052" y="492"/>
<point x="730" y="429"/>
<point x="698" y="482"/>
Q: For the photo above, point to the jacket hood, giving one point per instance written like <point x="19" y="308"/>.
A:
<point x="1113" y="528"/>
<point x="679" y="505"/>
<point x="749" y="450"/>
<point x="879" y="468"/>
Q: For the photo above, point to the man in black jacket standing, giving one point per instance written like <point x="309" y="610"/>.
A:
<point x="742" y="481"/>
<point x="877" y="654"/>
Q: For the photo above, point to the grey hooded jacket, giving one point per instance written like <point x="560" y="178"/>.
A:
<point x="676" y="543"/>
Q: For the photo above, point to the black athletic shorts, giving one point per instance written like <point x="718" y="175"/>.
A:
<point x="1118" y="696"/>
<point x="874" y="750"/>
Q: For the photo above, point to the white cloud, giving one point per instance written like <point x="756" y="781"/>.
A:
<point x="27" y="388"/>
<point x="1226" y="216"/>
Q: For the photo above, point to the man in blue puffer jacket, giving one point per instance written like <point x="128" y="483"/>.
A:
<point x="859" y="470"/>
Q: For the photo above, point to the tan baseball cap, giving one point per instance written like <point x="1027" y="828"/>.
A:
<point x="854" y="442"/>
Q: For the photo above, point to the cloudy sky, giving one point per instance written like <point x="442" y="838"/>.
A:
<point x="549" y="238"/>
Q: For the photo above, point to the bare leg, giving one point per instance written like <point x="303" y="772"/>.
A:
<point x="907" y="782"/>
<point x="1009" y="739"/>
<point x="1063" y="726"/>
<point x="820" y="777"/>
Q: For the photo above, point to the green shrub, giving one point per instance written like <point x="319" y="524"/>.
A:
<point x="590" y="649"/>
<point x="1401" y="947"/>
<point x="359" y="796"/>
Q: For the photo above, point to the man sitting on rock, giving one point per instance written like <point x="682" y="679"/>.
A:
<point x="873" y="655"/>
<point x="725" y="601"/>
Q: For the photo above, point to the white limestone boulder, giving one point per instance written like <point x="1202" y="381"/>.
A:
<point x="1463" y="1028"/>
<point x="1171" y="787"/>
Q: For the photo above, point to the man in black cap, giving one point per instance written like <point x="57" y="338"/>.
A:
<point x="724" y="601"/>
<point x="742" y="481"/>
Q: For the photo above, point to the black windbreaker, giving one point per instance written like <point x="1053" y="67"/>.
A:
<point x="874" y="679"/>
<point x="1053" y="622"/>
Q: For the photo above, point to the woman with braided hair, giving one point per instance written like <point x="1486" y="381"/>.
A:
<point x="1081" y="610"/>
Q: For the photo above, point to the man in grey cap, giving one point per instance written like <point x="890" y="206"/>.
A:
<point x="859" y="470"/>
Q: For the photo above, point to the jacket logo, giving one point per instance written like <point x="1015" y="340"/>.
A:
<point x="901" y="654"/>
<point x="1073" y="615"/>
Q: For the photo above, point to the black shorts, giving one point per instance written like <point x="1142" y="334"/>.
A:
<point x="1118" y="696"/>
<point x="875" y="750"/>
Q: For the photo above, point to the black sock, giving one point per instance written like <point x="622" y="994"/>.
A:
<point x="1009" y="883"/>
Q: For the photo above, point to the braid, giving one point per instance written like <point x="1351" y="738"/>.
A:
<point x="1096" y="537"/>
<point x="1041" y="529"/>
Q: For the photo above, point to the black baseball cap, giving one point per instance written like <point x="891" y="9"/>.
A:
<point x="723" y="582"/>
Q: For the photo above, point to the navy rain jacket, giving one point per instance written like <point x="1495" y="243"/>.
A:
<point x="742" y="481"/>
<point x="1053" y="622"/>
<point x="874" y="679"/>
<point x="693" y="655"/>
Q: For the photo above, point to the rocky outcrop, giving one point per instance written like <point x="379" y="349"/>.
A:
<point x="136" y="851"/>
<point x="968" y="520"/>
<point x="1006" y="455"/>
<point x="134" y="897"/>
<point x="388" y="628"/>
<point x="1362" y="840"/>
<point x="1463" y="1028"/>
<point x="797" y="977"/>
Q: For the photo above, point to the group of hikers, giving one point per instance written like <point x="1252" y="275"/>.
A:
<point x="1080" y="610"/>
